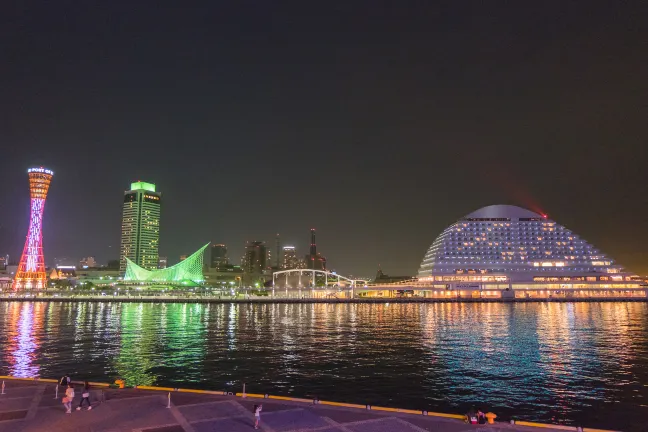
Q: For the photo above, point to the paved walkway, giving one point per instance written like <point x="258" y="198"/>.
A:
<point x="30" y="406"/>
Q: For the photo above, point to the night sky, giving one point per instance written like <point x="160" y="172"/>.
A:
<point x="377" y="123"/>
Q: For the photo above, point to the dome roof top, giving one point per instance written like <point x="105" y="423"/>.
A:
<point x="503" y="211"/>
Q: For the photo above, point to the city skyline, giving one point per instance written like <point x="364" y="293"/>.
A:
<point x="377" y="131"/>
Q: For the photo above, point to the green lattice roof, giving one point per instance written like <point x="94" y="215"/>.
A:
<point x="189" y="269"/>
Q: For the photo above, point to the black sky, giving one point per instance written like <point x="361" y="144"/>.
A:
<point x="378" y="123"/>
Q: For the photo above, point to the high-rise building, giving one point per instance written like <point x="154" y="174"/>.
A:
<point x="255" y="257"/>
<point x="4" y="261"/>
<point x="290" y="260"/>
<point x="140" y="226"/>
<point x="219" y="256"/>
<point x="277" y="263"/>
<point x="183" y="257"/>
<point x="314" y="260"/>
<point x="163" y="262"/>
<point x="31" y="268"/>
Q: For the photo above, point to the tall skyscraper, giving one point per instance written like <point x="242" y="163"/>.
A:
<point x="218" y="256"/>
<point x="255" y="257"/>
<point x="140" y="226"/>
<point x="277" y="262"/>
<point x="314" y="260"/>
<point x="31" y="269"/>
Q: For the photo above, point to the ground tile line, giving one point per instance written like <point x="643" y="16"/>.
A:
<point x="208" y="403"/>
<point x="374" y="420"/>
<point x="33" y="407"/>
<point x="14" y="398"/>
<point x="180" y="418"/>
<point x="332" y="422"/>
<point x="216" y="418"/>
<point x="280" y="411"/>
<point x="154" y="427"/>
<point x="413" y="426"/>
<point x="136" y="398"/>
<point x="323" y="428"/>
<point x="7" y="389"/>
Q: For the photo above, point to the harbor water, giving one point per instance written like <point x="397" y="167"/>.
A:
<point x="571" y="363"/>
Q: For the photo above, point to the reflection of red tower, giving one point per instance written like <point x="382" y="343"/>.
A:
<point x="31" y="270"/>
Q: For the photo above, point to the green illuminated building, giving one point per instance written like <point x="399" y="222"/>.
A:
<point x="140" y="234"/>
<point x="186" y="272"/>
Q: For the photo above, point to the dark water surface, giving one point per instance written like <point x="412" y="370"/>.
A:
<point x="562" y="362"/>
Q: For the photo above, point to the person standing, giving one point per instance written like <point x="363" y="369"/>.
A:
<point x="65" y="381"/>
<point x="85" y="396"/>
<point x="69" y="397"/>
<point x="257" y="415"/>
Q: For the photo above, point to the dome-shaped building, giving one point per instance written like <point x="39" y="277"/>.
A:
<point x="504" y="247"/>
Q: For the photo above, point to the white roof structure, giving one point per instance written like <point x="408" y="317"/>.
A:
<point x="515" y="242"/>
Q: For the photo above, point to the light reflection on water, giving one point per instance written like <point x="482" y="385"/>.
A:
<point x="566" y="362"/>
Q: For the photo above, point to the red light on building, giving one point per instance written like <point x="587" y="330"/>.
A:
<point x="31" y="269"/>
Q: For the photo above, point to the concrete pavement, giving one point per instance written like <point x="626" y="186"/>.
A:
<point x="30" y="406"/>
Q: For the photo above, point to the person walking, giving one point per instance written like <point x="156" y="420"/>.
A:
<point x="69" y="397"/>
<point x="257" y="415"/>
<point x="85" y="396"/>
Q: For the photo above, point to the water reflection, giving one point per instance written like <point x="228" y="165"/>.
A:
<point x="25" y="320"/>
<point x="541" y="361"/>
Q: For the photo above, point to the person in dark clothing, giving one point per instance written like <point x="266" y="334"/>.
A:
<point x="65" y="381"/>
<point x="481" y="418"/>
<point x="85" y="396"/>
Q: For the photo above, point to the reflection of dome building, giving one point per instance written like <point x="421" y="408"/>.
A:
<point x="504" y="246"/>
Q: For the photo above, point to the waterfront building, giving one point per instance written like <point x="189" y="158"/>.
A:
<point x="255" y="257"/>
<point x="140" y="233"/>
<point x="290" y="260"/>
<point x="506" y="251"/>
<point x="314" y="260"/>
<point x="219" y="257"/>
<point x="65" y="272"/>
<point x="31" y="273"/>
<point x="225" y="276"/>
<point x="188" y="272"/>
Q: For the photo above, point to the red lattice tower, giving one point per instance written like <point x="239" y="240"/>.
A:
<point x="31" y="270"/>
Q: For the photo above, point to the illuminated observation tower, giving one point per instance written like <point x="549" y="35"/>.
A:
<point x="31" y="270"/>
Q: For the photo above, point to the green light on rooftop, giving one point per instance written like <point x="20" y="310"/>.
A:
<point x="143" y="185"/>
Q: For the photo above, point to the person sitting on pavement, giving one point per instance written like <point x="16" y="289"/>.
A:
<point x="471" y="417"/>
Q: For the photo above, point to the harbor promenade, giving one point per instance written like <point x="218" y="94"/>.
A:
<point x="32" y="405"/>
<point x="307" y="300"/>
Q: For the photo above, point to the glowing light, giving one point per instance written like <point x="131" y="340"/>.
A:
<point x="140" y="185"/>
<point x="31" y="269"/>
<point x="189" y="269"/>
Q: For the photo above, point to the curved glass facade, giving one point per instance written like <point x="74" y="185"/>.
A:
<point x="505" y="243"/>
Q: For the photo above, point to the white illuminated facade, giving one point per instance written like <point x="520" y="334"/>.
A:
<point x="509" y="248"/>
